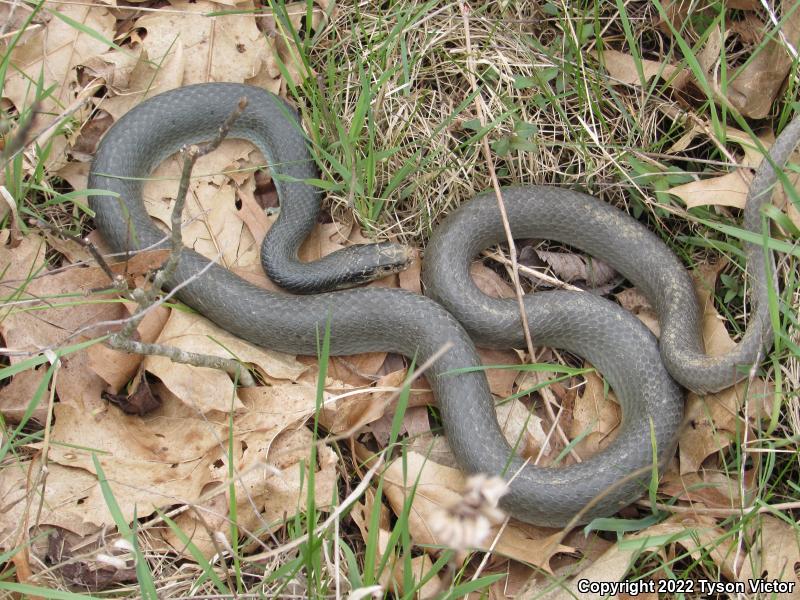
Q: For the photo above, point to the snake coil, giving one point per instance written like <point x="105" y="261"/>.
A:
<point x="376" y="319"/>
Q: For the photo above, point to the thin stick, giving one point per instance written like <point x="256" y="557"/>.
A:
<point x="512" y="249"/>
<point x="83" y="241"/>
<point x="554" y="281"/>
<point x="17" y="141"/>
<point x="721" y="512"/>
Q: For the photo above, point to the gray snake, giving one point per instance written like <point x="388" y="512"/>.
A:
<point x="378" y="319"/>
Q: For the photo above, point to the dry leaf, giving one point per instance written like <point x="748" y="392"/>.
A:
<point x="634" y="302"/>
<point x="361" y="407"/>
<point x="623" y="67"/>
<point x="117" y="367"/>
<point x="709" y="54"/>
<point x="213" y="225"/>
<point x="277" y="492"/>
<point x="755" y="85"/>
<point x="434" y="448"/>
<point x="777" y="553"/>
<point x="711" y="428"/>
<point x="713" y="417"/>
<point x="146" y="80"/>
<point x="414" y="423"/>
<point x="489" y="282"/>
<point x="725" y="190"/>
<point x="576" y="267"/>
<point x="252" y="214"/>
<point x="70" y="249"/>
<point x="598" y="413"/>
<point x="698" y="537"/>
<point x="18" y="264"/>
<point x="114" y="67"/>
<point x="501" y="381"/>
<point x="356" y="370"/>
<point x="522" y="429"/>
<point x="63" y="499"/>
<point x="781" y="198"/>
<point x="752" y="155"/>
<point x="17" y="395"/>
<point x="53" y="52"/>
<point x="230" y="49"/>
<point x="174" y="455"/>
<point x="516" y="578"/>
<point x="392" y="577"/>
<point x="13" y="17"/>
<point x="324" y="239"/>
<point x="714" y="422"/>
<point x="714" y="489"/>
<point x="608" y="567"/>
<point x="72" y="306"/>
<point x="141" y="399"/>
<point x="716" y="339"/>
<point x="411" y="278"/>
<point x="205" y="388"/>
<point x="731" y="188"/>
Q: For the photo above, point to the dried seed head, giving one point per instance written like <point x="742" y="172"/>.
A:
<point x="467" y="523"/>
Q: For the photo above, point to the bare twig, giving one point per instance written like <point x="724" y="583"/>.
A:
<point x="107" y="324"/>
<point x="554" y="281"/>
<point x="123" y="340"/>
<point x="83" y="241"/>
<point x="178" y="355"/>
<point x="721" y="512"/>
<point x="17" y="141"/>
<point x="190" y="157"/>
<point x="146" y="299"/>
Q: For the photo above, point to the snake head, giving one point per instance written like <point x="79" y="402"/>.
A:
<point x="368" y="262"/>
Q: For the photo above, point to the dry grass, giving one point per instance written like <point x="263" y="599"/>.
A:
<point x="569" y="141"/>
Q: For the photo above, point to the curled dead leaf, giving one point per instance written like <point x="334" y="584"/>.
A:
<point x="522" y="429"/>
<point x="571" y="268"/>
<point x="755" y="85"/>
<point x="635" y="302"/>
<point x="713" y="420"/>
<point x="51" y="56"/>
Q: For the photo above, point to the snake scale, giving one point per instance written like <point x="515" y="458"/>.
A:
<point x="456" y="313"/>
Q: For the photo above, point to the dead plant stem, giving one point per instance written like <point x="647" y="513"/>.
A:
<point x="512" y="249"/>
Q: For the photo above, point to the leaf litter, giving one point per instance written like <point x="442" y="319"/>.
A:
<point x="177" y="453"/>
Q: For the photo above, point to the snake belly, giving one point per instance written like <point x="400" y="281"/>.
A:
<point x="377" y="319"/>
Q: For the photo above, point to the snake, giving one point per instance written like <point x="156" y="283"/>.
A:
<point x="445" y="324"/>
